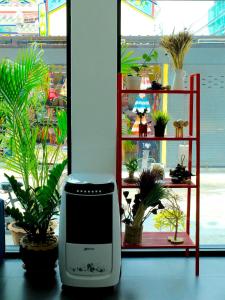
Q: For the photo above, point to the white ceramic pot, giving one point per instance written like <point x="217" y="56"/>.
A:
<point x="133" y="83"/>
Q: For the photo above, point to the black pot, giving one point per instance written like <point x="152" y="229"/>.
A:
<point x="159" y="130"/>
<point x="39" y="257"/>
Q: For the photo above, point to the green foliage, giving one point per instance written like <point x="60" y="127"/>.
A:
<point x="23" y="86"/>
<point x="61" y="129"/>
<point x="39" y="205"/>
<point x="153" y="55"/>
<point x="132" y="65"/>
<point x="131" y="165"/>
<point x="18" y="80"/>
<point x="160" y="117"/>
<point x="127" y="60"/>
<point x="172" y="216"/>
<point x="164" y="220"/>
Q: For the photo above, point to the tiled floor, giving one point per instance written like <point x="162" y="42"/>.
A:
<point x="142" y="279"/>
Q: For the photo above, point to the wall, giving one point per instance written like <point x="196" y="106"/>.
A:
<point x="94" y="85"/>
<point x="51" y="55"/>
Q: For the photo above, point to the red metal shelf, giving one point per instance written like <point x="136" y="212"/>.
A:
<point x="167" y="183"/>
<point x="160" y="240"/>
<point x="158" y="91"/>
<point x="154" y="138"/>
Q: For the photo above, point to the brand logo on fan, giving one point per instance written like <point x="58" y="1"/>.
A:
<point x="89" y="249"/>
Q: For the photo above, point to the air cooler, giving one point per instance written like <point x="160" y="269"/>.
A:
<point x="89" y="232"/>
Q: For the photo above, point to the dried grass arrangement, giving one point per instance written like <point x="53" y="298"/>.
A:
<point x="177" y="45"/>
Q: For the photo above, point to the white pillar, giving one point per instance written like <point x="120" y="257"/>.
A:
<point x="94" y="85"/>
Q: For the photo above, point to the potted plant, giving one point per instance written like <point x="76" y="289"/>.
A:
<point x="180" y="174"/>
<point x="177" y="45"/>
<point x="38" y="167"/>
<point x="134" y="77"/>
<point x="146" y="202"/>
<point x="160" y="119"/>
<point x="129" y="148"/>
<point x="132" y="166"/>
<point x="132" y="67"/>
<point x="127" y="59"/>
<point x="171" y="217"/>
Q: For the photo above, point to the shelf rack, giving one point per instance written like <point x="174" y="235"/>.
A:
<point x="159" y="239"/>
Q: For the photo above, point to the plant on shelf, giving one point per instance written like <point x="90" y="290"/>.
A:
<point x="180" y="174"/>
<point x="132" y="166"/>
<point x="129" y="148"/>
<point x="133" y="67"/>
<point x="147" y="58"/>
<point x="160" y="119"/>
<point x="127" y="59"/>
<point x="171" y="217"/>
<point x="157" y="170"/>
<point x="146" y="202"/>
<point x="39" y="168"/>
<point x="177" y="45"/>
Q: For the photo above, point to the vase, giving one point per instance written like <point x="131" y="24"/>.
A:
<point x="133" y="82"/>
<point x="178" y="82"/>
<point x="133" y="234"/>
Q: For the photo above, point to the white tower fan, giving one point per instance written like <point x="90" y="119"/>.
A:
<point x="89" y="232"/>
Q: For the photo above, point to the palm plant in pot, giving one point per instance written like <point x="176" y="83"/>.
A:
<point x="39" y="198"/>
<point x="146" y="202"/>
<point x="160" y="119"/>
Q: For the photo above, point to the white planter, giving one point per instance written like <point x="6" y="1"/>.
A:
<point x="178" y="81"/>
<point x="133" y="83"/>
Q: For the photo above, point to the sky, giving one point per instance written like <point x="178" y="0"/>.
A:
<point x="181" y="14"/>
<point x="169" y="15"/>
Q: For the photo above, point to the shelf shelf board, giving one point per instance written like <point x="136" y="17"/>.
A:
<point x="167" y="183"/>
<point x="151" y="137"/>
<point x="158" y="92"/>
<point x="160" y="240"/>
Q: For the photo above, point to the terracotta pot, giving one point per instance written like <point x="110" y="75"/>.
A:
<point x="39" y="257"/>
<point x="133" y="235"/>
